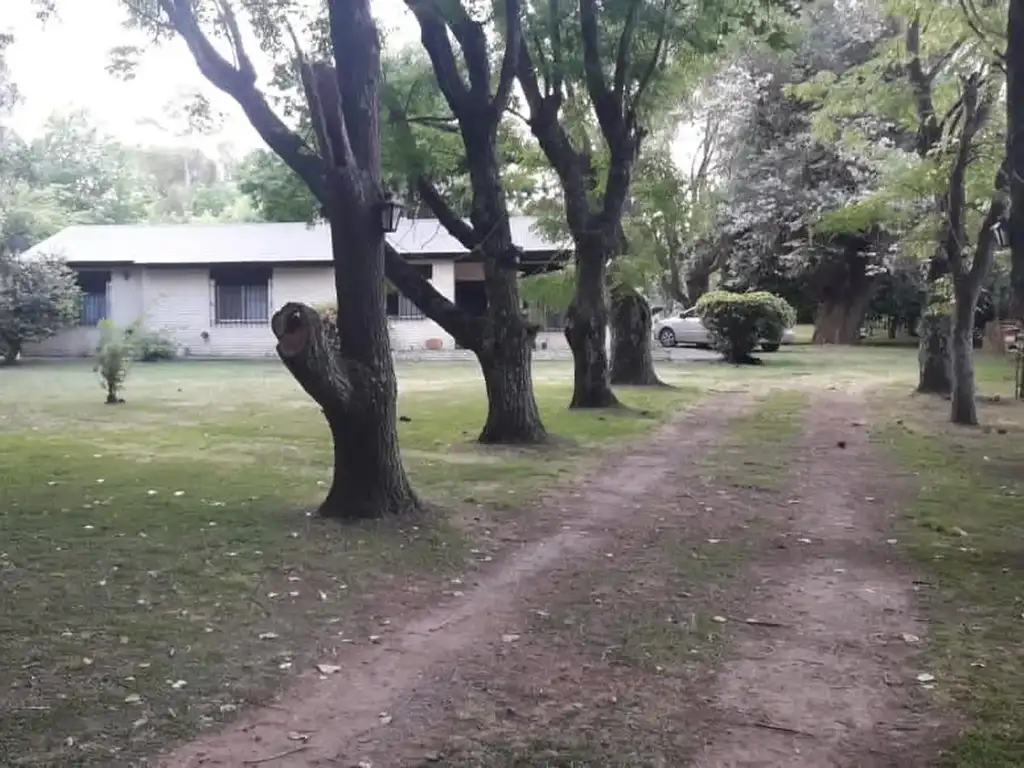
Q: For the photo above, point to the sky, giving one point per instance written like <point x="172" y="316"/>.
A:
<point x="61" y="65"/>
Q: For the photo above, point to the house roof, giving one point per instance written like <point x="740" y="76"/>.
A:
<point x="181" y="244"/>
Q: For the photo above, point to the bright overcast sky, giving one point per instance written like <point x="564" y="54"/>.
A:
<point x="62" y="65"/>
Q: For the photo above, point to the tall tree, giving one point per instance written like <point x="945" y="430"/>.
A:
<point x="478" y="106"/>
<point x="346" y="368"/>
<point x="501" y="339"/>
<point x="570" y="63"/>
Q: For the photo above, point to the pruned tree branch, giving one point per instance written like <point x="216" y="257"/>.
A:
<point x="309" y="166"/>
<point x="308" y="348"/>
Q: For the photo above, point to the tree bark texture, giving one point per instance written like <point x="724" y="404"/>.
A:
<point x="347" y="368"/>
<point x="632" y="362"/>
<point x="963" y="409"/>
<point x="504" y="345"/>
<point x="586" y="328"/>
<point x="843" y="298"/>
<point x="838" y="319"/>
<point x="934" y="356"/>
<point x="235" y="75"/>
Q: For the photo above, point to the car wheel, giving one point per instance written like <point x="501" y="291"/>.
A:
<point x="770" y="347"/>
<point x="667" y="337"/>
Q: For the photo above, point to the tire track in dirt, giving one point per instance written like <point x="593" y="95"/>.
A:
<point x="824" y="687"/>
<point x="342" y="714"/>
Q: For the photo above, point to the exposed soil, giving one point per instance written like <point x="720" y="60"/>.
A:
<point x="344" y="712"/>
<point x="658" y="616"/>
<point x="827" y="686"/>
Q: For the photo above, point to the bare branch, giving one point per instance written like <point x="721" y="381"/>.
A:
<point x="325" y="107"/>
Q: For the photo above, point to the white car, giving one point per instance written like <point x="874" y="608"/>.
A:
<point x="687" y="328"/>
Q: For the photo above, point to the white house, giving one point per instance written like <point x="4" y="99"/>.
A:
<point x="212" y="288"/>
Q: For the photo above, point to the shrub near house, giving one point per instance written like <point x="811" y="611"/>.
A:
<point x="738" y="322"/>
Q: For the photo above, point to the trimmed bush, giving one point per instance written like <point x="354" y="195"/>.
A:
<point x="739" y="322"/>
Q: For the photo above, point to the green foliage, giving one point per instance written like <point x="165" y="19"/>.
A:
<point x="113" y="359"/>
<point x="38" y="298"/>
<point x="738" y="322"/>
<point x="277" y="193"/>
<point x="149" y="346"/>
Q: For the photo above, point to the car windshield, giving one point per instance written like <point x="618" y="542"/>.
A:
<point x="691" y="312"/>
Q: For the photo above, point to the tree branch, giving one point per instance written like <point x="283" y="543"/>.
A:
<point x="609" y="114"/>
<point x="652" y="65"/>
<point x="622" y="58"/>
<point x="510" y="61"/>
<point x="434" y="36"/>
<point x="456" y="226"/>
<point x="928" y="132"/>
<point x="310" y="167"/>
<point x="308" y="348"/>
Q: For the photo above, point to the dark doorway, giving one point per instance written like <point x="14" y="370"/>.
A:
<point x="471" y="296"/>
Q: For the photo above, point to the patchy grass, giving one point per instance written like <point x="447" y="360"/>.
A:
<point x="757" y="449"/>
<point x="966" y="530"/>
<point x="159" y="567"/>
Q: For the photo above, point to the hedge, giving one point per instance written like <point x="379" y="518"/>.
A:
<point x="738" y="322"/>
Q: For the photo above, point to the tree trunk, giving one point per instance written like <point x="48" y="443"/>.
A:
<point x="347" y="367"/>
<point x="512" y="413"/>
<point x="507" y="349"/>
<point x="838" y="320"/>
<point x="697" y="284"/>
<point x="9" y="351"/>
<point x="359" y="403"/>
<point x="586" y="328"/>
<point x="935" y="372"/>
<point x="632" y="362"/>
<point x="963" y="409"/>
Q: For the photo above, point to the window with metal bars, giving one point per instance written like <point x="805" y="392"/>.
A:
<point x="241" y="295"/>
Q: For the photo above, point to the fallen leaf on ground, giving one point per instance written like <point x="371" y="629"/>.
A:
<point x="327" y="669"/>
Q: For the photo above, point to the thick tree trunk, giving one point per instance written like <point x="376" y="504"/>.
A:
<point x="512" y="413"/>
<point x="347" y="367"/>
<point x="935" y="371"/>
<point x="632" y="362"/>
<point x="359" y="403"/>
<point x="838" y="320"/>
<point x="506" y="351"/>
<point x="697" y="284"/>
<point x="963" y="409"/>
<point x="586" y="329"/>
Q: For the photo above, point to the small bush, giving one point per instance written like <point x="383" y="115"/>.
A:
<point x="738" y="322"/>
<point x="114" y="356"/>
<point x="151" y="346"/>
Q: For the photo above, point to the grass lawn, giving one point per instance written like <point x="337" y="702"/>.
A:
<point x="158" y="566"/>
<point x="965" y="528"/>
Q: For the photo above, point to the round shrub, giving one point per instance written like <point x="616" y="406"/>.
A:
<point x="738" y="322"/>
